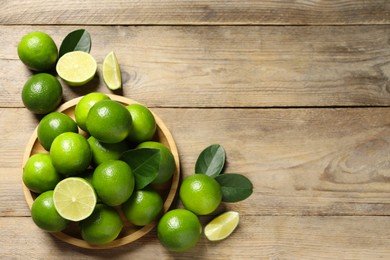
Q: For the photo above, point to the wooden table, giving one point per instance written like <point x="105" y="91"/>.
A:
<point x="297" y="92"/>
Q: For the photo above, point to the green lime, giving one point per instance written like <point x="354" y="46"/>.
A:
<point x="52" y="125"/>
<point x="200" y="193"/>
<point x="102" y="227"/>
<point x="114" y="182"/>
<point x="167" y="161"/>
<point x="74" y="198"/>
<point x="38" y="51"/>
<point x="222" y="226"/>
<point x="42" y="93"/>
<point x="102" y="152"/>
<point x="143" y="207"/>
<point x="70" y="153"/>
<point x="76" y="68"/>
<point x="179" y="230"/>
<point x="111" y="72"/>
<point x="144" y="124"/>
<point x="45" y="215"/>
<point x="39" y="174"/>
<point x="109" y="121"/>
<point x="84" y="105"/>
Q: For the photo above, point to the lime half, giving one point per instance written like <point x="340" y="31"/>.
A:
<point x="222" y="226"/>
<point x="76" y="68"/>
<point x="111" y="72"/>
<point x="74" y="198"/>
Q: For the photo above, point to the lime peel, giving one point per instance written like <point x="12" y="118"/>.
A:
<point x="222" y="226"/>
<point x="111" y="72"/>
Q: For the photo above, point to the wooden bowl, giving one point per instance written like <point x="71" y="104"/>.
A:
<point x="130" y="232"/>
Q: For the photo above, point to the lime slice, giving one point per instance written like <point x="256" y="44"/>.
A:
<point x="222" y="226"/>
<point x="111" y="72"/>
<point x="76" y="68"/>
<point x="74" y="198"/>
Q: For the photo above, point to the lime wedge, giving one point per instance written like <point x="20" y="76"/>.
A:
<point x="76" y="68"/>
<point x="222" y="226"/>
<point x="111" y="72"/>
<point x="74" y="198"/>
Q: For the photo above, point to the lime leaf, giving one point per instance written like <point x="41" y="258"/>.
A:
<point x="145" y="164"/>
<point x="211" y="161"/>
<point x="79" y="40"/>
<point x="235" y="187"/>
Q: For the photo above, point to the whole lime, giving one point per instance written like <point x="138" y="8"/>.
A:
<point x="114" y="182"/>
<point x="39" y="174"/>
<point x="179" y="230"/>
<point x="143" y="207"/>
<point x="84" y="105"/>
<point x="38" y="51"/>
<point x="42" y="93"/>
<point x="45" y="215"/>
<point x="109" y="121"/>
<point x="167" y="161"/>
<point x="102" y="227"/>
<point x="200" y="194"/>
<point x="52" y="125"/>
<point x="70" y="153"/>
<point x="144" y="124"/>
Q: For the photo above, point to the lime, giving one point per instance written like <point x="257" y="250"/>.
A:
<point x="200" y="193"/>
<point x="76" y="68"/>
<point x="52" y="125"/>
<point x="102" y="227"/>
<point x="143" y="207"/>
<point x="114" y="182"/>
<point x="111" y="72"/>
<point x="70" y="153"/>
<point x="84" y="105"/>
<point x="74" y="198"/>
<point x="45" y="215"/>
<point x="102" y="152"/>
<point x="109" y="121"/>
<point x="179" y="230"/>
<point x="38" y="51"/>
<point x="144" y="124"/>
<point x="222" y="226"/>
<point x="42" y="93"/>
<point x="167" y="161"/>
<point x="39" y="174"/>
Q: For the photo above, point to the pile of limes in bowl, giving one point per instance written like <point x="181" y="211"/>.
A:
<point x="81" y="178"/>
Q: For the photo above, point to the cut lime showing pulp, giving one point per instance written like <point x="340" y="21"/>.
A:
<point x="74" y="198"/>
<point x="76" y="68"/>
<point x="111" y="72"/>
<point x="222" y="226"/>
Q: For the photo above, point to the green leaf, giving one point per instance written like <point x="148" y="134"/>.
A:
<point x="235" y="187"/>
<point x="79" y="40"/>
<point x="144" y="163"/>
<point x="211" y="161"/>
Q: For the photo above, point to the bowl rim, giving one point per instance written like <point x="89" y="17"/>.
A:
<point x="161" y="127"/>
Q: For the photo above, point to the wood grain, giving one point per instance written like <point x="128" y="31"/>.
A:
<point x="221" y="12"/>
<point x="228" y="66"/>
<point x="257" y="237"/>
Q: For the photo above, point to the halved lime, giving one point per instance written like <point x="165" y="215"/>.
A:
<point x="76" y="68"/>
<point x="111" y="72"/>
<point x="74" y="198"/>
<point x="222" y="226"/>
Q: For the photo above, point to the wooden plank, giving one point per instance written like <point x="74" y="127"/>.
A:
<point x="257" y="237"/>
<point x="210" y="66"/>
<point x="301" y="161"/>
<point x="195" y="12"/>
